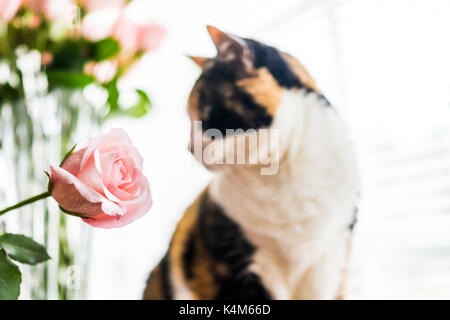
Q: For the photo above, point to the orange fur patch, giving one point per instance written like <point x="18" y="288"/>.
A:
<point x="179" y="240"/>
<point x="200" y="61"/>
<point x="301" y="72"/>
<point x="154" y="289"/>
<point x="202" y="282"/>
<point x="264" y="89"/>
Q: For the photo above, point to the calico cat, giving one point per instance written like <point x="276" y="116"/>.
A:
<point x="251" y="236"/>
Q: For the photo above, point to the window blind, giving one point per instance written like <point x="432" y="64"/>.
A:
<point x="385" y="66"/>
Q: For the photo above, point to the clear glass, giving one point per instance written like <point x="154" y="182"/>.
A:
<point x="36" y="131"/>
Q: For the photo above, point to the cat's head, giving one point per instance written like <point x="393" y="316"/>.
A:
<point x="242" y="86"/>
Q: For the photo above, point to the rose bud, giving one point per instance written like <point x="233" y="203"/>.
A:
<point x="103" y="183"/>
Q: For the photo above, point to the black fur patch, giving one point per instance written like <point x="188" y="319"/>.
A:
<point x="223" y="105"/>
<point x="188" y="256"/>
<point x="327" y="103"/>
<point x="269" y="57"/>
<point x="228" y="245"/>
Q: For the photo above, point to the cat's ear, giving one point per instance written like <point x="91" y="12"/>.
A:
<point x="230" y="47"/>
<point x="200" y="61"/>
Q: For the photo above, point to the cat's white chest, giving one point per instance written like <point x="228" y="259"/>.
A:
<point x="298" y="224"/>
<point x="309" y="275"/>
<point x="301" y="246"/>
<point x="299" y="218"/>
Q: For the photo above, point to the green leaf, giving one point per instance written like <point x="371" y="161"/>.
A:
<point x="140" y="109"/>
<point x="105" y="49"/>
<point x="70" y="55"/>
<point x="10" y="278"/>
<point x="113" y="95"/>
<point x="72" y="80"/>
<point x="23" y="249"/>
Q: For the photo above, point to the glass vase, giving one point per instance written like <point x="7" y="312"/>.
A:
<point x="35" y="131"/>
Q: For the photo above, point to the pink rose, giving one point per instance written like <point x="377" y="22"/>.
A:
<point x="138" y="37"/>
<point x="59" y="10"/>
<point x="99" y="24"/>
<point x="150" y="36"/>
<point x="103" y="182"/>
<point x="8" y="9"/>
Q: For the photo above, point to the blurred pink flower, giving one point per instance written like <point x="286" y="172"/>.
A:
<point x="93" y="5"/>
<point x="59" y="10"/>
<point x="8" y="9"/>
<point x="135" y="37"/>
<point x="99" y="24"/>
<point x="103" y="182"/>
<point x="34" y="21"/>
<point x="150" y="36"/>
<point x="46" y="58"/>
<point x="102" y="71"/>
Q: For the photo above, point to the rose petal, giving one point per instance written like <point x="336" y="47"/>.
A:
<point x="115" y="137"/>
<point x="113" y="140"/>
<point x="75" y="196"/>
<point x="107" y="162"/>
<point x="128" y="191"/>
<point x="73" y="162"/>
<point x="135" y="209"/>
<point x="90" y="175"/>
<point x="134" y="155"/>
<point x="93" y="144"/>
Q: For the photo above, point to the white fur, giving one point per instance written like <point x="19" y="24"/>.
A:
<point x="180" y="287"/>
<point x="299" y="218"/>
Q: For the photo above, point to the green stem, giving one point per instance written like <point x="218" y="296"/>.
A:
<point x="27" y="201"/>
